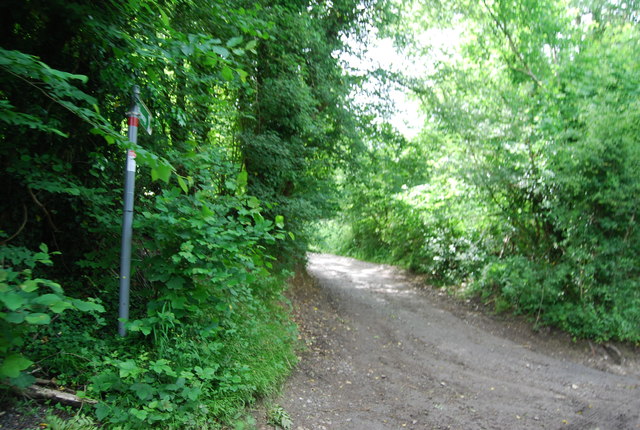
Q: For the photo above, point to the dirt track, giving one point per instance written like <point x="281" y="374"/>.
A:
<point x="385" y="353"/>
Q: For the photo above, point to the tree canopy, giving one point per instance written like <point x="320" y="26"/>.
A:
<point x="522" y="186"/>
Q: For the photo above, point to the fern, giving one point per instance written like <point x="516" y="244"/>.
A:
<point x="77" y="422"/>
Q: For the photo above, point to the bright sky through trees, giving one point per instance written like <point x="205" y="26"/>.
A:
<point x="405" y="113"/>
<point x="381" y="54"/>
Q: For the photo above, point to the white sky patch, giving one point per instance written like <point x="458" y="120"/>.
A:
<point x="382" y="54"/>
<point x="406" y="116"/>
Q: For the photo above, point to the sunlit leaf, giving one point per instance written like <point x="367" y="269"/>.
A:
<point x="13" y="364"/>
<point x="182" y="184"/>
<point x="38" y="319"/>
<point x="234" y="41"/>
<point x="227" y="73"/>
<point x="162" y="172"/>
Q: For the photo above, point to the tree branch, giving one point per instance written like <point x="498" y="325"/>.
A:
<point x="502" y="26"/>
<point x="44" y="209"/>
<point x="24" y="223"/>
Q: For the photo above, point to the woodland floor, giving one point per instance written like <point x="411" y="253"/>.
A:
<point x="386" y="352"/>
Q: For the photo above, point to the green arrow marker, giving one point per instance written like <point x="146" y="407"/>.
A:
<point x="145" y="116"/>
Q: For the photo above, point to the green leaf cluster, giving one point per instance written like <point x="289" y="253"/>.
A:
<point x="28" y="303"/>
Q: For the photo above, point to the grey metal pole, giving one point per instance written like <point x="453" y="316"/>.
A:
<point x="127" y="214"/>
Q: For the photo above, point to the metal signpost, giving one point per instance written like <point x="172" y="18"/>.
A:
<point x="139" y="114"/>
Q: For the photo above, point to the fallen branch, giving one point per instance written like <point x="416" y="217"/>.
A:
<point x="46" y="382"/>
<point x="42" y="393"/>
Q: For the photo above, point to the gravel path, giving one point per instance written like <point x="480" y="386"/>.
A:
<point x="385" y="353"/>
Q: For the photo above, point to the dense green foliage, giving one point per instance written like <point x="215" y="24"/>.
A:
<point x="523" y="185"/>
<point x="250" y="117"/>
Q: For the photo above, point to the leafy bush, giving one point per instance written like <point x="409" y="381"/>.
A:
<point x="197" y="378"/>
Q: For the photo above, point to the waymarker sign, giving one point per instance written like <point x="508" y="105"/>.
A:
<point x="138" y="114"/>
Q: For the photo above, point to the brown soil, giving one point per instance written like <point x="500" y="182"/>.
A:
<point x="386" y="352"/>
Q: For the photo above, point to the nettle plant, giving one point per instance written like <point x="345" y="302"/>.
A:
<point x="144" y="391"/>
<point x="28" y="304"/>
